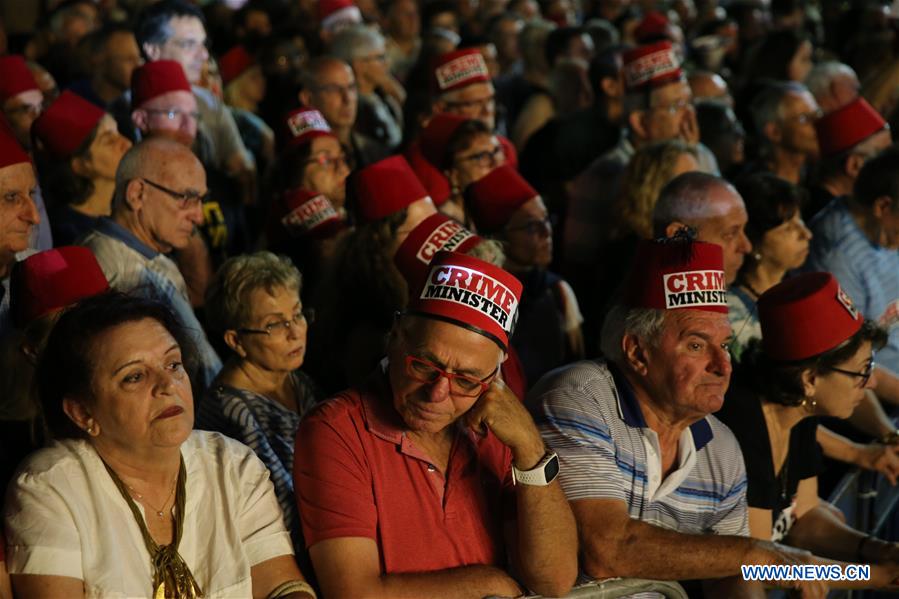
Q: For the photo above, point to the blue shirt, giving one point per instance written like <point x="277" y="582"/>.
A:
<point x="867" y="272"/>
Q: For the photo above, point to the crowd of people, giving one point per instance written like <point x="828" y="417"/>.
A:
<point x="438" y="298"/>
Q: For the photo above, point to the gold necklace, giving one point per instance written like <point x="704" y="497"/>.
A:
<point x="160" y="512"/>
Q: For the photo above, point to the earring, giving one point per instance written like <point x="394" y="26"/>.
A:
<point x="809" y="404"/>
<point x="757" y="256"/>
<point x="89" y="430"/>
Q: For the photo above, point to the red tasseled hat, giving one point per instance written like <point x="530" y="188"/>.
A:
<point x="846" y="127"/>
<point x="459" y="68"/>
<point x="309" y="213"/>
<point x="11" y="152"/>
<point x="233" y="63"/>
<point x="305" y="124"/>
<point x="805" y="316"/>
<point x="53" y="279"/>
<point x="436" y="136"/>
<point x="66" y="123"/>
<point x="386" y="187"/>
<point x="495" y="197"/>
<point x="333" y="13"/>
<point x="437" y="233"/>
<point x="156" y="78"/>
<point x="15" y="77"/>
<point x="651" y="66"/>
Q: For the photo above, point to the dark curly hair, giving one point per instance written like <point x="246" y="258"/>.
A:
<point x="781" y="382"/>
<point x="65" y="367"/>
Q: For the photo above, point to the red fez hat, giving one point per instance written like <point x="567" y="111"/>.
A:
<point x="678" y="273"/>
<point x="51" y="280"/>
<point x="386" y="187"/>
<point x="471" y="293"/>
<point x="653" y="26"/>
<point x="437" y="233"/>
<point x="848" y="126"/>
<point x="15" y="77"/>
<point x="156" y="78"/>
<point x="435" y="182"/>
<point x="66" y="123"/>
<point x="304" y="125"/>
<point x="496" y="196"/>
<point x="458" y="69"/>
<point x="334" y="13"/>
<point x="651" y="66"/>
<point x="805" y="316"/>
<point x="11" y="152"/>
<point x="233" y="63"/>
<point x="309" y="213"/>
<point x="435" y="137"/>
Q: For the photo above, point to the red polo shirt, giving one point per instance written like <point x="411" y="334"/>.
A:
<point x="356" y="474"/>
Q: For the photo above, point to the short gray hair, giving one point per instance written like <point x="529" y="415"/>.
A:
<point x="685" y="199"/>
<point x="228" y="295"/>
<point x="135" y="163"/>
<point x="644" y="323"/>
<point x="767" y="106"/>
<point x="355" y="42"/>
<point x="823" y="74"/>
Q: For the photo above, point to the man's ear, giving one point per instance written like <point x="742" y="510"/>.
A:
<point x="853" y="164"/>
<point x="634" y="354"/>
<point x="232" y="340"/>
<point x="636" y="120"/>
<point x="882" y="206"/>
<point x="304" y="97"/>
<point x="134" y="194"/>
<point x="153" y="52"/>
<point x="139" y="118"/>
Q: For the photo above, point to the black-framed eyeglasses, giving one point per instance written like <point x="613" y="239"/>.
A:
<point x="186" y="199"/>
<point x="174" y="113"/>
<point x="425" y="371"/>
<point x="33" y="109"/>
<point x="535" y="227"/>
<point x="304" y="317"/>
<point x="488" y="158"/>
<point x="864" y="375"/>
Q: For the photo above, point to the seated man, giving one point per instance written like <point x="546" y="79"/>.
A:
<point x="402" y="482"/>
<point x="657" y="484"/>
<point x="159" y="190"/>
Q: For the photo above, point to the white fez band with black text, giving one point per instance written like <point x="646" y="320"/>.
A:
<point x="695" y="288"/>
<point x="473" y="289"/>
<point x="447" y="237"/>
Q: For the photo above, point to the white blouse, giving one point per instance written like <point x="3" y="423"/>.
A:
<point x="65" y="517"/>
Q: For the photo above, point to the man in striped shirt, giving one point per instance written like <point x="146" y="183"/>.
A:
<point x="657" y="484"/>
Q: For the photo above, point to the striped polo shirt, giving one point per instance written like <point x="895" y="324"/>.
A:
<point x="867" y="272"/>
<point x="589" y="415"/>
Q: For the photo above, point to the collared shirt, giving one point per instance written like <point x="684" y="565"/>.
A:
<point x="867" y="272"/>
<point x="65" y="517"/>
<point x="133" y="267"/>
<point x="217" y="125"/>
<point x="592" y="419"/>
<point x="357" y="473"/>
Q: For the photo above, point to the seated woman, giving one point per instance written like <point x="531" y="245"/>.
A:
<point x="548" y="334"/>
<point x="780" y="243"/>
<point x="259" y="396"/>
<point x="129" y="500"/>
<point x="815" y="359"/>
<point x="79" y="151"/>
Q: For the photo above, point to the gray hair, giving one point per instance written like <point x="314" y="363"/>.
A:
<point x="644" y="323"/>
<point x="135" y="163"/>
<point x="823" y="74"/>
<point x="309" y="76"/>
<point x="355" y="42"/>
<point x="685" y="199"/>
<point x="228" y="296"/>
<point x="767" y="105"/>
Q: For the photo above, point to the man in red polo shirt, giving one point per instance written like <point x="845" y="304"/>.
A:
<point x="405" y="484"/>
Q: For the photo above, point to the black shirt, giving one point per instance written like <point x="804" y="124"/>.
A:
<point x="742" y="413"/>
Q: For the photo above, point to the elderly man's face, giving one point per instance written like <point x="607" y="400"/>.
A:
<point x="671" y="113"/>
<point x="170" y="220"/>
<point x="120" y="58"/>
<point x="173" y="115"/>
<point x="689" y="369"/>
<point x="799" y="111"/>
<point x="18" y="213"/>
<point x="187" y="45"/>
<point x="21" y="111"/>
<point x="336" y="95"/>
<point x="725" y="225"/>
<point x="475" y="101"/>
<point x="431" y="407"/>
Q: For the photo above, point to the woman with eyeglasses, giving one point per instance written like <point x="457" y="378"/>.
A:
<point x="815" y="359"/>
<point x="259" y="396"/>
<point x="79" y="150"/>
<point x="506" y="208"/>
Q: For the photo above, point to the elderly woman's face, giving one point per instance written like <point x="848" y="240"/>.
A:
<point x="282" y="347"/>
<point x="141" y="393"/>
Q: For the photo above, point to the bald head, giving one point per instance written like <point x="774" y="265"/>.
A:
<point x="330" y="87"/>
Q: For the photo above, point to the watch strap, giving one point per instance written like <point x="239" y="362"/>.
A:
<point x="538" y="475"/>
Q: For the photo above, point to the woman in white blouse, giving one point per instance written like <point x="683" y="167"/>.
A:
<point x="129" y="501"/>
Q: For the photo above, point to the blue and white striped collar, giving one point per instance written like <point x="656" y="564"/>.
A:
<point x="109" y="227"/>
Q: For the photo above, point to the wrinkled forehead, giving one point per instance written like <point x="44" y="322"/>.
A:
<point x="183" y="100"/>
<point x="18" y="178"/>
<point x="686" y="322"/>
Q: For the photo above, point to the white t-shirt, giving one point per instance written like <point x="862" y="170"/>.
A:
<point x="65" y="517"/>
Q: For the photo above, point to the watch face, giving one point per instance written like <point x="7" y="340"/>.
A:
<point x="551" y="470"/>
